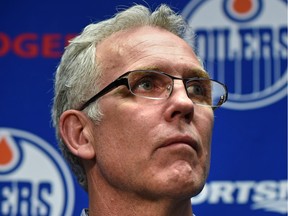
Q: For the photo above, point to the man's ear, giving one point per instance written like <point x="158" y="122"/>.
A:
<point x="76" y="131"/>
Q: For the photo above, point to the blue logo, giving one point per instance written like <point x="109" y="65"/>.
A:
<point x="243" y="43"/>
<point x="34" y="179"/>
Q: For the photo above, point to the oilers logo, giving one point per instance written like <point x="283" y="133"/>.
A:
<point x="34" y="180"/>
<point x="244" y="44"/>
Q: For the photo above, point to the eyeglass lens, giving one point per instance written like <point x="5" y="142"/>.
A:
<point x="158" y="85"/>
<point x="150" y="84"/>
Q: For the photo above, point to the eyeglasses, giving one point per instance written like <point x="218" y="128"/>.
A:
<point x="159" y="85"/>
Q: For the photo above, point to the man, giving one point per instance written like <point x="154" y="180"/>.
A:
<point x="133" y="110"/>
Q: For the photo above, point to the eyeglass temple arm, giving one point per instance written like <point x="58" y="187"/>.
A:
<point x="110" y="87"/>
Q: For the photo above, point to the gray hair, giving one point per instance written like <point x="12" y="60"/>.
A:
<point x="78" y="74"/>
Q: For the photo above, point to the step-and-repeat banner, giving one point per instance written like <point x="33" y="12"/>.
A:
<point x="243" y="43"/>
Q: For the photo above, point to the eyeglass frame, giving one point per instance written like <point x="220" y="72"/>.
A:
<point x="123" y="80"/>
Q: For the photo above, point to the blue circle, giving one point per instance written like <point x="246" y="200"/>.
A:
<point x="19" y="135"/>
<point x="247" y="19"/>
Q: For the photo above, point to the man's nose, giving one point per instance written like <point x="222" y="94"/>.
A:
<point x="180" y="105"/>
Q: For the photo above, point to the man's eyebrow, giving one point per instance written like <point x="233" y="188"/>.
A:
<point x="188" y="73"/>
<point x="196" y="73"/>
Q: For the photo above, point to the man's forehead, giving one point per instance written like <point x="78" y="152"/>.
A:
<point x="143" y="34"/>
<point x="148" y="47"/>
<point x="143" y="40"/>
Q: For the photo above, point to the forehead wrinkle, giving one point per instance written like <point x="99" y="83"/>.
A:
<point x="146" y="45"/>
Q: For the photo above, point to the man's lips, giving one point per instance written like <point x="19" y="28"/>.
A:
<point x="181" y="140"/>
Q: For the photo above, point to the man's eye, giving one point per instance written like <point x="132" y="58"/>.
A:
<point x="144" y="85"/>
<point x="196" y="90"/>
